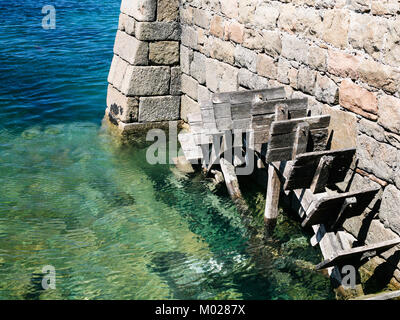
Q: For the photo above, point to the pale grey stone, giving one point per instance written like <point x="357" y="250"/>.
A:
<point x="198" y="67"/>
<point x="326" y="90"/>
<point x="371" y="129"/>
<point x="186" y="59"/>
<point x="203" y="94"/>
<point x="283" y="71"/>
<point x="126" y="23"/>
<point x="246" y="58"/>
<point x="202" y="18"/>
<point x="221" y="77"/>
<point x="251" y="80"/>
<point x="189" y="86"/>
<point x="306" y="79"/>
<point x="189" y="37"/>
<point x="146" y="81"/>
<point x="188" y="106"/>
<point x="141" y="10"/>
<point x="389" y="212"/>
<point x="117" y="72"/>
<point x="294" y="48"/>
<point x="159" y="108"/>
<point x="175" y="88"/>
<point x="380" y="159"/>
<point x="156" y="31"/>
<point x="130" y="49"/>
<point x="122" y="107"/>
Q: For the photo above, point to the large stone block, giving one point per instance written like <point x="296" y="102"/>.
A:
<point x="197" y="67"/>
<point x="221" y="77"/>
<point x="202" y="18"/>
<point x="392" y="48"/>
<point x="246" y="58"/>
<point x="335" y="27"/>
<point x="294" y="48"/>
<point x="326" y="90"/>
<point x="189" y="86"/>
<point x="344" y="127"/>
<point x="253" y="39"/>
<point x="156" y="31"/>
<point x="117" y="72"/>
<point x="167" y="10"/>
<point x="235" y="32"/>
<point x="164" y="52"/>
<point x="186" y="59"/>
<point x="385" y="7"/>
<point x="189" y="37"/>
<point x="251" y="80"/>
<point x="266" y="16"/>
<point x="389" y="113"/>
<point x="159" y="108"/>
<point x="306" y="79"/>
<point x="176" y="83"/>
<point x="230" y="8"/>
<point x="358" y="100"/>
<point x="380" y="159"/>
<point x="272" y="43"/>
<point x="247" y="9"/>
<point x="122" y="107"/>
<point x="379" y="75"/>
<point x="130" y="49"/>
<point x="188" y="106"/>
<point x="317" y="58"/>
<point x="366" y="33"/>
<point x="217" y="26"/>
<point x="266" y="66"/>
<point x="389" y="212"/>
<point x="146" y="81"/>
<point x="126" y="23"/>
<point x="222" y="50"/>
<point x="141" y="10"/>
<point x="342" y="64"/>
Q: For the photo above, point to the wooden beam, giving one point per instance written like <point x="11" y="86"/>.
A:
<point x="301" y="139"/>
<point x="321" y="175"/>
<point x="355" y="256"/>
<point x="231" y="179"/>
<point x="272" y="199"/>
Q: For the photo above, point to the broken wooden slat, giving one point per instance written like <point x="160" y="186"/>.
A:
<point x="357" y="255"/>
<point x="326" y="210"/>
<point x="272" y="199"/>
<point x="304" y="167"/>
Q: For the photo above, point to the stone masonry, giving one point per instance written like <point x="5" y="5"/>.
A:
<point x="144" y="79"/>
<point x="344" y="55"/>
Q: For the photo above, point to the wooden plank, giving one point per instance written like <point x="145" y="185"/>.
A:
<point x="222" y="110"/>
<point x="297" y="107"/>
<point x="231" y="179"/>
<point x="249" y="95"/>
<point x="321" y="175"/>
<point x="357" y="255"/>
<point x="288" y="139"/>
<point x="287" y="126"/>
<point x="272" y="199"/>
<point x="326" y="210"/>
<point x="281" y="130"/>
<point x="301" y="139"/>
<point x="241" y="111"/>
<point x="304" y="166"/>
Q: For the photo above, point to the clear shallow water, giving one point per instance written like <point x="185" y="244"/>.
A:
<point x="113" y="226"/>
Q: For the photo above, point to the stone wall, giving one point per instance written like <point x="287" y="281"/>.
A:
<point x="344" y="55"/>
<point x="144" y="79"/>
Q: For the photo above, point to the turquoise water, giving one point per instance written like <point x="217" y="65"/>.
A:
<point x="113" y="226"/>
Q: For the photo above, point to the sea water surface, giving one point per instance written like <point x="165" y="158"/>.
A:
<point x="112" y="225"/>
